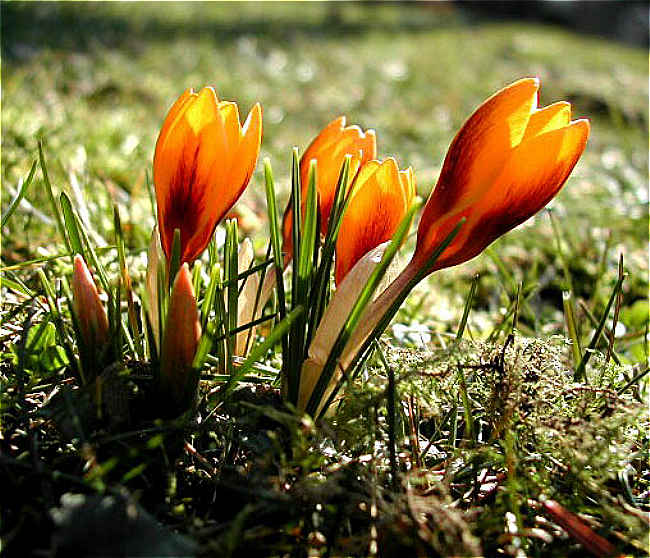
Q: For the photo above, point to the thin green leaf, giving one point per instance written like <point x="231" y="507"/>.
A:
<point x="22" y="190"/>
<point x="468" y="307"/>
<point x="71" y="225"/>
<point x="260" y="350"/>
<point x="50" y="194"/>
<point x="581" y="369"/>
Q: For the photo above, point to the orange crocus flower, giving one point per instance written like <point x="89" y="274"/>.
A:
<point x="507" y="162"/>
<point x="380" y="197"/>
<point x="203" y="161"/>
<point x="329" y="149"/>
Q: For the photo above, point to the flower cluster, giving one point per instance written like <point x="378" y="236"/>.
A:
<point x="508" y="160"/>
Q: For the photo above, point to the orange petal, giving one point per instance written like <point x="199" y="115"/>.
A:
<point x="88" y="308"/>
<point x="244" y="159"/>
<point x="552" y="117"/>
<point x="380" y="197"/>
<point x="479" y="151"/>
<point x="173" y="113"/>
<point x="180" y="339"/>
<point x="230" y="114"/>
<point x="532" y="176"/>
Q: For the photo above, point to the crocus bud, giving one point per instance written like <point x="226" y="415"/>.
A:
<point x="178" y="380"/>
<point x="380" y="197"/>
<point x="88" y="308"/>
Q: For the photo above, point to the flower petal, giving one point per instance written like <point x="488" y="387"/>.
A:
<point x="173" y="114"/>
<point x="380" y="197"/>
<point x="202" y="164"/>
<point x="552" y="117"/>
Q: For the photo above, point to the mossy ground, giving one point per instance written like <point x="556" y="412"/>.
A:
<point x="485" y="428"/>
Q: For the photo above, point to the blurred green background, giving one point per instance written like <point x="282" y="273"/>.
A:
<point x="94" y="80"/>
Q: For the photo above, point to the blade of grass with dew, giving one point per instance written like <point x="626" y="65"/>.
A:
<point x="365" y="296"/>
<point x="20" y="194"/>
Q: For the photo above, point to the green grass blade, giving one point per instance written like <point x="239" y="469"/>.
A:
<point x="572" y="330"/>
<point x="276" y="244"/>
<point x="468" y="307"/>
<point x="581" y="369"/>
<point x="231" y="270"/>
<point x="278" y="333"/>
<point x="303" y="269"/>
<point x="276" y="235"/>
<point x="71" y="226"/>
<point x="296" y="201"/>
<point x="50" y="194"/>
<point x="319" y="295"/>
<point x="22" y="190"/>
